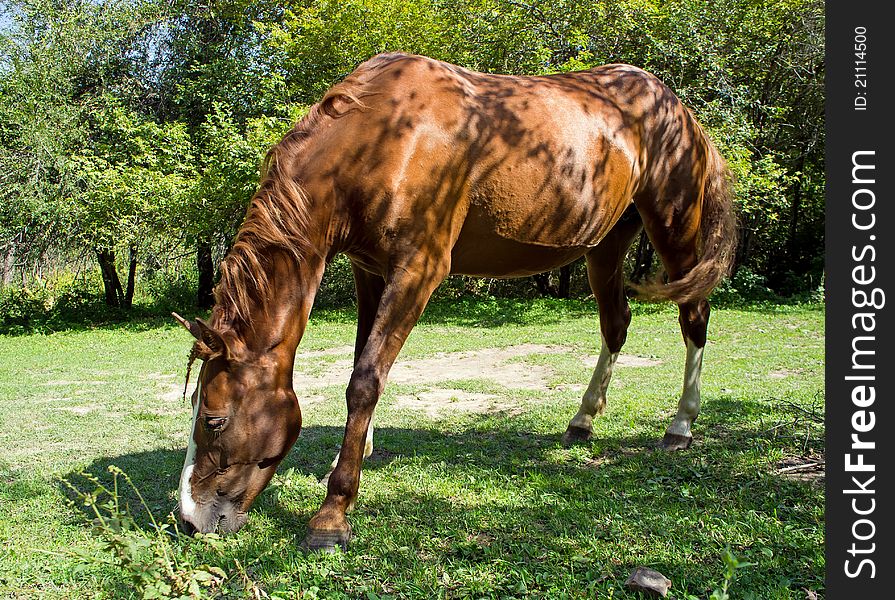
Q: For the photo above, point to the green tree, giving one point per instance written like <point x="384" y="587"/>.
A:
<point x="212" y="71"/>
<point x="133" y="176"/>
<point x="129" y="125"/>
<point x="59" y="57"/>
<point x="229" y="155"/>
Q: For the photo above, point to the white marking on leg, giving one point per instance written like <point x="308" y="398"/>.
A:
<point x="594" y="400"/>
<point x="187" y="504"/>
<point x="688" y="406"/>
<point x="368" y="443"/>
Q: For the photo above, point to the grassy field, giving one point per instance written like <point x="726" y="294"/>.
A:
<point x="469" y="492"/>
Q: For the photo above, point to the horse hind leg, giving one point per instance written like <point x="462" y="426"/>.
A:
<point x="673" y="230"/>
<point x="369" y="289"/>
<point x="694" y="319"/>
<point x="606" y="278"/>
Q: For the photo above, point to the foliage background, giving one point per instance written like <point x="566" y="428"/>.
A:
<point x="131" y="132"/>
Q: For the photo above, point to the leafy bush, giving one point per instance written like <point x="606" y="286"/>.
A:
<point x="71" y="297"/>
<point x="807" y="286"/>
<point x="21" y="308"/>
<point x="166" y="291"/>
<point x="744" y="287"/>
<point x="63" y="300"/>
<point x="337" y="288"/>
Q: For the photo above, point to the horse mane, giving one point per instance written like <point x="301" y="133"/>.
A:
<point x="278" y="216"/>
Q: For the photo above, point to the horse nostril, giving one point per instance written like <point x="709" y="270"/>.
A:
<point x="188" y="528"/>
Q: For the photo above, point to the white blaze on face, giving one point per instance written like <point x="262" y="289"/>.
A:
<point x="594" y="400"/>
<point x="187" y="505"/>
<point x="688" y="406"/>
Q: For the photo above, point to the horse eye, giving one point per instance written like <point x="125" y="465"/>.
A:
<point x="215" y="424"/>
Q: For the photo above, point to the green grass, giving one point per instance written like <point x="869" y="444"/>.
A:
<point x="459" y="505"/>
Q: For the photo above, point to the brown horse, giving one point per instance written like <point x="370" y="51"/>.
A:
<point x="416" y="169"/>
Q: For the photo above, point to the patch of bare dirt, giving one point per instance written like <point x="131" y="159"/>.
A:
<point x="493" y="364"/>
<point x="175" y="391"/>
<point x="570" y="387"/>
<point x="629" y="360"/>
<point x="334" y="373"/>
<point x="784" y="373"/>
<point x="160" y="376"/>
<point x="438" y="402"/>
<point x="79" y="410"/>
<point x="498" y="365"/>
<point x="52" y="399"/>
<point x="625" y="360"/>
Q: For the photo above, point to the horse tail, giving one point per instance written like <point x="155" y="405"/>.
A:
<point x="718" y="236"/>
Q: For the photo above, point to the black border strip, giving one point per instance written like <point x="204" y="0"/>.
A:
<point x="859" y="270"/>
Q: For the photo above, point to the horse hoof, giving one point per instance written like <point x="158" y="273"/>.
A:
<point x="575" y="434"/>
<point x="674" y="441"/>
<point x="326" y="540"/>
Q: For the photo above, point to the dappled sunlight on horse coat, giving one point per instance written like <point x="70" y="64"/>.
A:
<point x="416" y="169"/>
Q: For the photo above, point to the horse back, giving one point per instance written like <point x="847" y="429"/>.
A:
<point x="550" y="161"/>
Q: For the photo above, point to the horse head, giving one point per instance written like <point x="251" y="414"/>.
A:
<point x="245" y="419"/>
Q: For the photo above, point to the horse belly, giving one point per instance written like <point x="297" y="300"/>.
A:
<point x="518" y="225"/>
<point x="483" y="253"/>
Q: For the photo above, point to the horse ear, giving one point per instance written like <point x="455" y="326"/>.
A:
<point x="210" y="343"/>
<point x="193" y="328"/>
<point x="213" y="339"/>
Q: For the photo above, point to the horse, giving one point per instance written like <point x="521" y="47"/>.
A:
<point x="416" y="169"/>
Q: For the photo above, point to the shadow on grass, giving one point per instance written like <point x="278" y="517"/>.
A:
<point x="91" y="318"/>
<point x="615" y="496"/>
<point x="471" y="311"/>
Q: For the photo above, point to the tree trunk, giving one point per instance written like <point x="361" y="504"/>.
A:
<point x="547" y="288"/>
<point x="111" y="284"/>
<point x="643" y="259"/>
<point x="205" y="265"/>
<point x="542" y="283"/>
<point x="128" y="300"/>
<point x="564" y="290"/>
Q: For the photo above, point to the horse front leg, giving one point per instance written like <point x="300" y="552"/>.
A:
<point x="407" y="290"/>
<point x="369" y="288"/>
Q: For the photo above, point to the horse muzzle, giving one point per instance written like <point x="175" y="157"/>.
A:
<point x="221" y="518"/>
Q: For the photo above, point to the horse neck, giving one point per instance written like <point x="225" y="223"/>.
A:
<point x="279" y="318"/>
